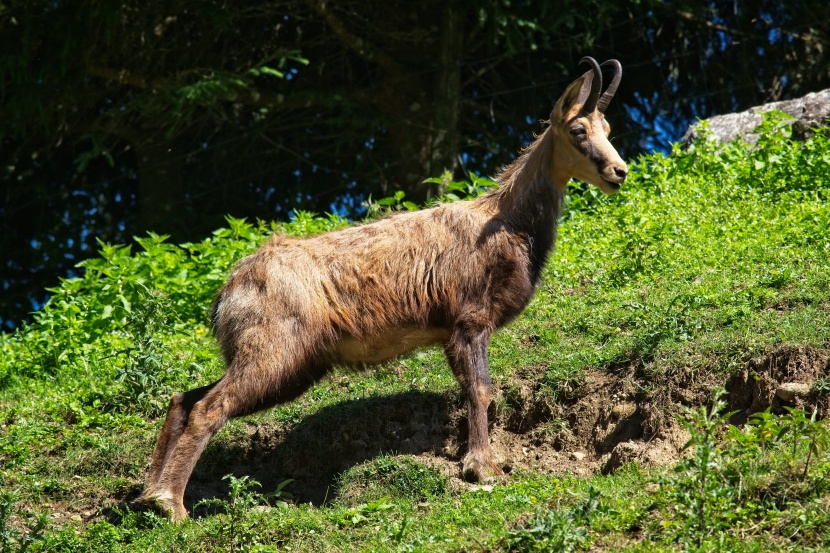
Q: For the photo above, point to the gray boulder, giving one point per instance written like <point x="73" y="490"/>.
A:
<point x="812" y="110"/>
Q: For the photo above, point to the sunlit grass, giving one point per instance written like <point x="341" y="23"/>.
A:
<point x="707" y="258"/>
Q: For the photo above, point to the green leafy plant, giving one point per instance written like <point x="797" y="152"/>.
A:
<point x="395" y="202"/>
<point x="362" y="513"/>
<point x="145" y="368"/>
<point x="451" y="191"/>
<point x="454" y="191"/>
<point x="702" y="496"/>
<point x="809" y="433"/>
<point x="563" y="530"/>
<point x="785" y="446"/>
<point x="17" y="538"/>
<point x="732" y="477"/>
<point x="234" y="527"/>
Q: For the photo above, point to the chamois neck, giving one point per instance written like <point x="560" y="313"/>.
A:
<point x="527" y="194"/>
<point x="528" y="201"/>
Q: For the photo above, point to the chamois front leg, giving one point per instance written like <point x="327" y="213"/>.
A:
<point x="467" y="354"/>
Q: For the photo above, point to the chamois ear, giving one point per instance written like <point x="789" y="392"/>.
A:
<point x="573" y="99"/>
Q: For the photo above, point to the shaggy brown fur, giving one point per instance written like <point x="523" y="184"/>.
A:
<point x="450" y="275"/>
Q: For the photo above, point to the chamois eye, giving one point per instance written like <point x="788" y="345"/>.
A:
<point x="578" y="132"/>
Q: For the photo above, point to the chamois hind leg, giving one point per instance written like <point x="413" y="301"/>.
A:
<point x="247" y="387"/>
<point x="467" y="354"/>
<point x="175" y="422"/>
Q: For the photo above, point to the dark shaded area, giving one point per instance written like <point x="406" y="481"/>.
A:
<point x="121" y="117"/>
<point x="320" y="447"/>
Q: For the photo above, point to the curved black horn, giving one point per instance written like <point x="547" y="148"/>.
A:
<point x="596" y="84"/>
<point x="603" y="102"/>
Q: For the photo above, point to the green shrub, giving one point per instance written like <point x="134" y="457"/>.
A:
<point x="735" y="477"/>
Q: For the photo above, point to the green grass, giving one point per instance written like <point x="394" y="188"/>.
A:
<point x="709" y="262"/>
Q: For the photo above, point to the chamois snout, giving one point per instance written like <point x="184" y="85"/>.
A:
<point x="615" y="172"/>
<point x="611" y="170"/>
<point x="620" y="171"/>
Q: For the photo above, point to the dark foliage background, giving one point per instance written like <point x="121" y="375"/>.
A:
<point x="119" y="117"/>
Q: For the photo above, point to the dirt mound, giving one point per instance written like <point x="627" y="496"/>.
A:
<point x="599" y="426"/>
<point x="607" y="421"/>
<point x="789" y="376"/>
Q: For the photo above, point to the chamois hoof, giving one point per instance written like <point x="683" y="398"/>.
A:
<point x="481" y="468"/>
<point x="164" y="505"/>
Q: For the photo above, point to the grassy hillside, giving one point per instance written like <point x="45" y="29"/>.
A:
<point x="710" y="270"/>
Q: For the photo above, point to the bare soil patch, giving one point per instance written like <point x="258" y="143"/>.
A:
<point x="790" y="376"/>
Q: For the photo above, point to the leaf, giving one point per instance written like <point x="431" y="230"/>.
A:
<point x="271" y="71"/>
<point x="125" y="303"/>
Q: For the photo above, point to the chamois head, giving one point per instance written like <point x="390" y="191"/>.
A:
<point x="581" y="131"/>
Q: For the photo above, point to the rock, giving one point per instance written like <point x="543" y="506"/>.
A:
<point x="789" y="391"/>
<point x="576" y="455"/>
<point x="623" y="452"/>
<point x="623" y="410"/>
<point x="812" y="110"/>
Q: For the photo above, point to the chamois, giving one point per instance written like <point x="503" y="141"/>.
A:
<point x="452" y="275"/>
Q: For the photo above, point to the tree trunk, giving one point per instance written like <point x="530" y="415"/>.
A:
<point x="424" y="113"/>
<point x="443" y="151"/>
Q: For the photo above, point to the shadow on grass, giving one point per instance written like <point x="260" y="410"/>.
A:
<point x="323" y="445"/>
